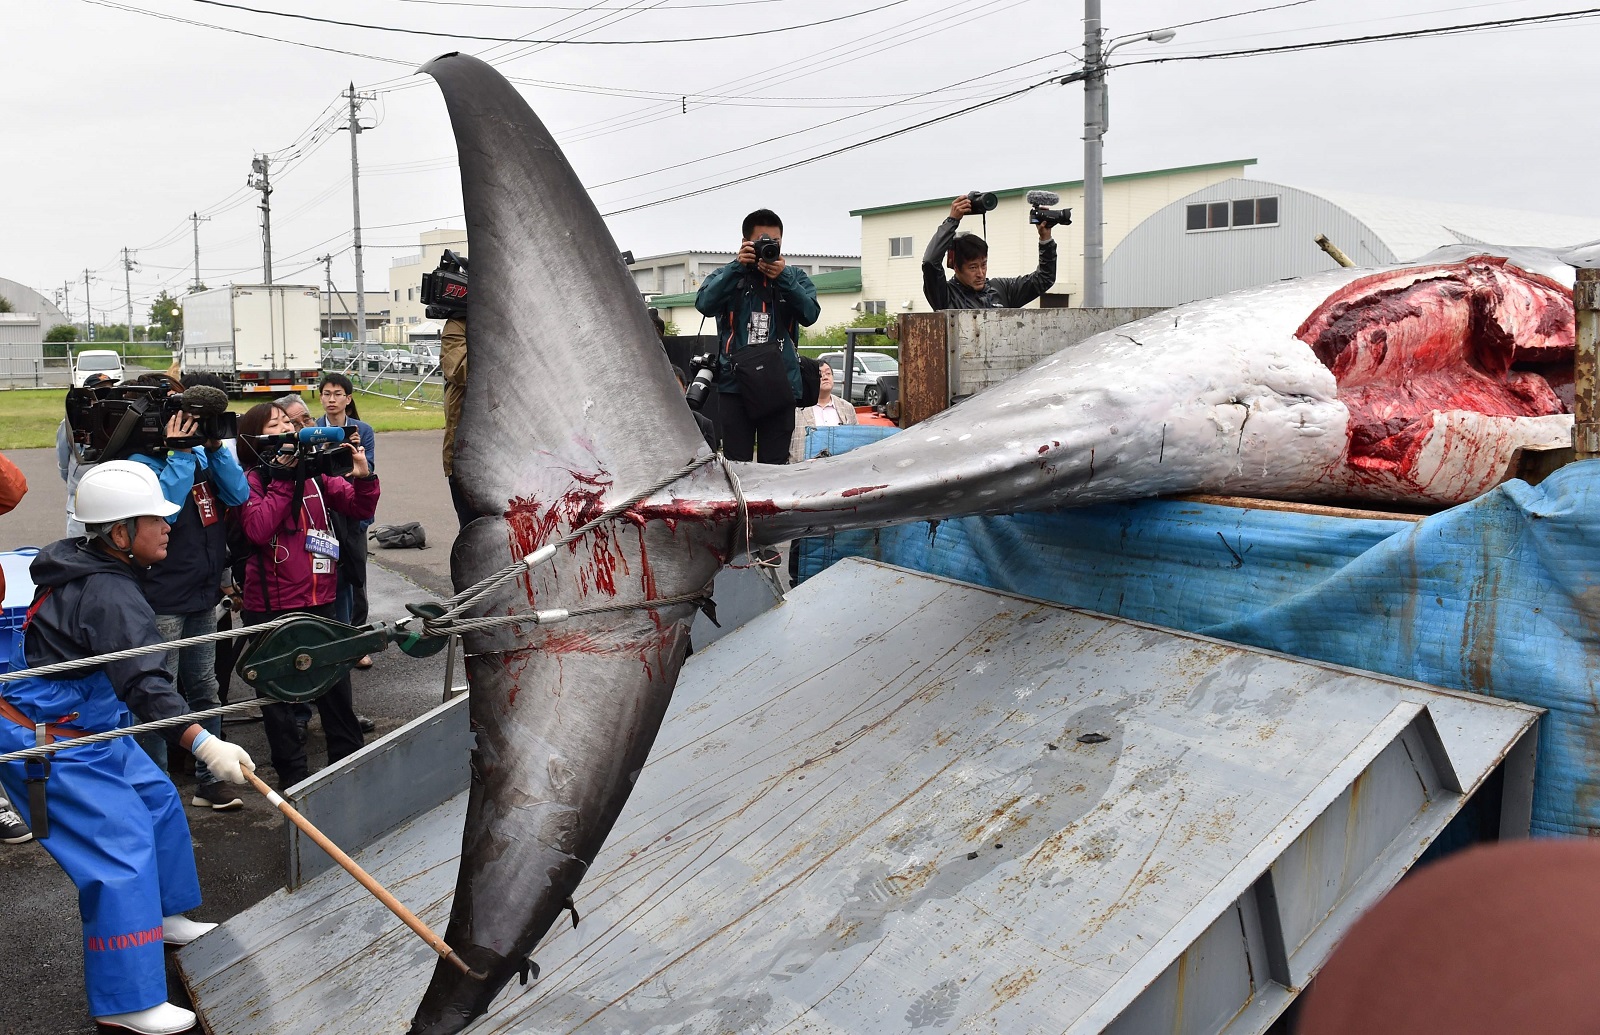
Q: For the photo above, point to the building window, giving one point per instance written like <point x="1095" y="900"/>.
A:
<point x="1225" y="215"/>
<point x="411" y="319"/>
<point x="899" y="247"/>
<point x="878" y="308"/>
<point x="397" y="294"/>
<point x="409" y="293"/>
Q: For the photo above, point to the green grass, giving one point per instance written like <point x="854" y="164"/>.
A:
<point x="28" y="418"/>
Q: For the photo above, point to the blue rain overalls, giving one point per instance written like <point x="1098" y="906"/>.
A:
<point x="116" y="827"/>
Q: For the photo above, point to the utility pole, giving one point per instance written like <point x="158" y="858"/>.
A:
<point x="261" y="179"/>
<point x="196" y="218"/>
<point x="127" y="287"/>
<point x="327" y="296"/>
<point x="1094" y="107"/>
<point x="1096" y="115"/>
<point x="66" y="300"/>
<point x="88" y="313"/>
<point x="354" y="128"/>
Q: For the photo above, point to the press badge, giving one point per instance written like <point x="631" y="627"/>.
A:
<point x="322" y="544"/>
<point x="759" y="331"/>
<point x="205" y="501"/>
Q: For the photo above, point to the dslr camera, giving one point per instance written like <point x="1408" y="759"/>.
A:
<point x="767" y="250"/>
<point x="317" y="451"/>
<point x="444" y="291"/>
<point x="1041" y="200"/>
<point x="705" y="372"/>
<point x="983" y="200"/>
<point x="113" y="422"/>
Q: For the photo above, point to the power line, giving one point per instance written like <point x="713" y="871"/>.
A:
<point x="568" y="42"/>
<point x="1237" y="14"/>
<point x="836" y="151"/>
<point x="241" y="32"/>
<point x="596" y="7"/>
<point x="1350" y="41"/>
<point x="809" y="129"/>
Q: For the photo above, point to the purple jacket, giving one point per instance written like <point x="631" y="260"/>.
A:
<point x="280" y="577"/>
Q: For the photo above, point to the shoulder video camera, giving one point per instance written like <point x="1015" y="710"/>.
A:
<point x="444" y="291"/>
<point x="1041" y="200"/>
<point x="113" y="422"/>
<point x="317" y="451"/>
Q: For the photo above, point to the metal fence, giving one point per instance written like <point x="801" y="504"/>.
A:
<point x="410" y="378"/>
<point x="33" y="372"/>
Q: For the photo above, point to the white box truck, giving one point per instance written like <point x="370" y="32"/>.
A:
<point x="259" y="337"/>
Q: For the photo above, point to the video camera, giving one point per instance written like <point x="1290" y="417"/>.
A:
<point x="113" y="422"/>
<point x="317" y="451"/>
<point x="444" y="291"/>
<point x="1041" y="200"/>
<point x="699" y="390"/>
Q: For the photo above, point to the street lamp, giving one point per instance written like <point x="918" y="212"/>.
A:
<point x="1096" y="117"/>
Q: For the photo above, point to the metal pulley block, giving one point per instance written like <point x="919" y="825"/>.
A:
<point x="302" y="659"/>
<point x="419" y="644"/>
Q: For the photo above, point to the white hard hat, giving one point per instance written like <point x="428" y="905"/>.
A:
<point x="118" y="490"/>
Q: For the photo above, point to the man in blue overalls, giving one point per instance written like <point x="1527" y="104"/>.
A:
<point x="116" y="824"/>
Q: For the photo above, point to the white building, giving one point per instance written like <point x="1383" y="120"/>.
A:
<point x="838" y="296"/>
<point x="405" y="279"/>
<point x="894" y="236"/>
<point x="681" y="272"/>
<point x="1239" y="233"/>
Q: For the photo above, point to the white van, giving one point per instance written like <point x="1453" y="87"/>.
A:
<point x="96" y="361"/>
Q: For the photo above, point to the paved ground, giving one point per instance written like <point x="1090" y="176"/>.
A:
<point x="240" y="854"/>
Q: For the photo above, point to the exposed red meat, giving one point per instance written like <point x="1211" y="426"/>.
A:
<point x="1477" y="335"/>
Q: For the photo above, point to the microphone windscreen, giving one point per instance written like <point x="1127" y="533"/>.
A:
<point x="314" y="436"/>
<point x="205" y="401"/>
<point x="1043" y="198"/>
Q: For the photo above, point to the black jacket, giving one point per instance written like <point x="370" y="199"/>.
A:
<point x="92" y="604"/>
<point x="190" y="578"/>
<point x="997" y="293"/>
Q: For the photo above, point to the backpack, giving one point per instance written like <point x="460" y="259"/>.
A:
<point x="405" y="536"/>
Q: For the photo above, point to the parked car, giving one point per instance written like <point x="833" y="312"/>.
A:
<point x="425" y="358"/>
<point x="399" y="361"/>
<point x="864" y="381"/>
<point x="96" y="361"/>
<point x="338" y="358"/>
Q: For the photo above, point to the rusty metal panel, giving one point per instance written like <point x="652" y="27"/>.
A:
<point x="924" y="380"/>
<point x="895" y="802"/>
<point x="987" y="346"/>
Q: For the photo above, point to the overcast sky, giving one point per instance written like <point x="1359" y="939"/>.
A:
<point x="121" y="124"/>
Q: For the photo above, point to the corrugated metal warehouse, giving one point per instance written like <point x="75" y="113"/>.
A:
<point x="22" y="332"/>
<point x="1241" y="232"/>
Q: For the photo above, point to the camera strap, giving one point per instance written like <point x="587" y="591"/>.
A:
<point x="123" y="431"/>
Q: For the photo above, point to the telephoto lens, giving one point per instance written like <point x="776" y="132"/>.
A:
<point x="983" y="200"/>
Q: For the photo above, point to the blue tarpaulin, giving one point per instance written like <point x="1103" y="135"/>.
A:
<point x="1499" y="596"/>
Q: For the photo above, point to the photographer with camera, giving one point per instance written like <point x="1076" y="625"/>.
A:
<point x="759" y="304"/>
<point x="294" y="489"/>
<point x="967" y="255"/>
<point x="198" y="475"/>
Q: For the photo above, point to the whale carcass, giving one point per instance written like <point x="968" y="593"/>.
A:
<point x="571" y="406"/>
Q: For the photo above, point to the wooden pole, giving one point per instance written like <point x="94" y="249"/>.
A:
<point x="406" y="916"/>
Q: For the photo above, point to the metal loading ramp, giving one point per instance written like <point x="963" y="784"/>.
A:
<point x="897" y="803"/>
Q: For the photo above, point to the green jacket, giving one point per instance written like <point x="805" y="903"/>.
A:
<point x="735" y="291"/>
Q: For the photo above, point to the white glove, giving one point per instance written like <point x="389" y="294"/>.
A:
<point x="225" y="760"/>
